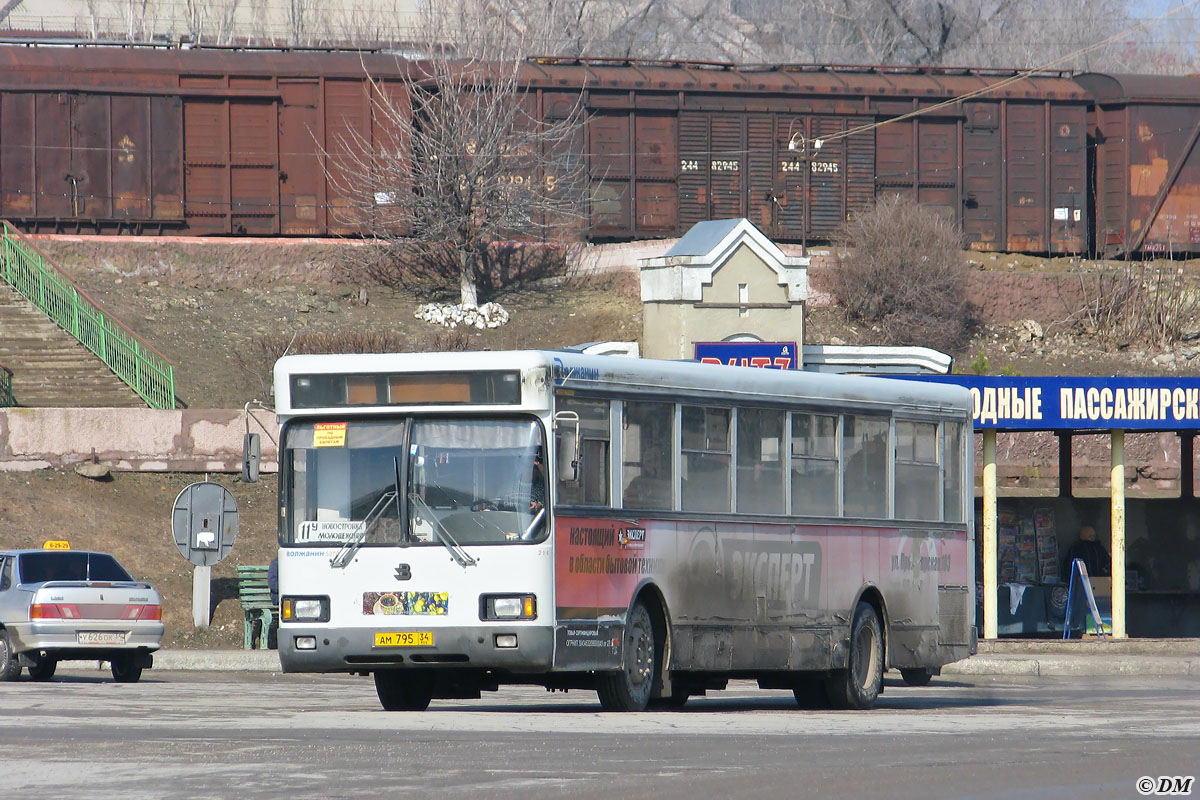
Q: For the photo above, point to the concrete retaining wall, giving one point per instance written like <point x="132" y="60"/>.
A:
<point x="137" y="440"/>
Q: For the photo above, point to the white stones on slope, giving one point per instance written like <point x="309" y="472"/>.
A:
<point x="488" y="315"/>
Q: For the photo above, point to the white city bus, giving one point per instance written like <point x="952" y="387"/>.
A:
<point x="647" y="529"/>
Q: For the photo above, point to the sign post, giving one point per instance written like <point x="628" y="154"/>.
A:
<point x="204" y="521"/>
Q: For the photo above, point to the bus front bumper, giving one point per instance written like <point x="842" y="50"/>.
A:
<point x="321" y="648"/>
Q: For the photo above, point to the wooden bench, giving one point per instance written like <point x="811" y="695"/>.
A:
<point x="255" y="596"/>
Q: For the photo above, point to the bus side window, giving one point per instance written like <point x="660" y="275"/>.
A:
<point x="705" y="462"/>
<point x="865" y="450"/>
<point x="759" y="461"/>
<point x="647" y="452"/>
<point x="592" y="487"/>
<point x="814" y="465"/>
<point x="952" y="471"/>
<point x="917" y="471"/>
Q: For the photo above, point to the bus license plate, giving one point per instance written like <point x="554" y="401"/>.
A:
<point x="404" y="639"/>
<point x="100" y="637"/>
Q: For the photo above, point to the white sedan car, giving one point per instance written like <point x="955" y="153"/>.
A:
<point x="61" y="604"/>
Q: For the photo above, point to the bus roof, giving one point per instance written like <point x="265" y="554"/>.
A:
<point x="594" y="373"/>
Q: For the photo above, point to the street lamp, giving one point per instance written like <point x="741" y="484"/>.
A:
<point x="799" y="136"/>
<point x="797" y="141"/>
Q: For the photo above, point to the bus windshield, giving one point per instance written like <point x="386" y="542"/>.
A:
<point x="458" y="482"/>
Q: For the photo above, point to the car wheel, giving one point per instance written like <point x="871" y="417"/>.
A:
<point x="403" y="690"/>
<point x="43" y="667"/>
<point x="629" y="688"/>
<point x="126" y="668"/>
<point x="10" y="667"/>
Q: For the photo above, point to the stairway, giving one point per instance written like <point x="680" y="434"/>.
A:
<point x="50" y="368"/>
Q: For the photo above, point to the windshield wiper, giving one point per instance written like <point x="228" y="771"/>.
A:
<point x="528" y="534"/>
<point x="342" y="557"/>
<point x="461" y="556"/>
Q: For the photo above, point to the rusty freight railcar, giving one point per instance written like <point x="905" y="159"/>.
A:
<point x="100" y="139"/>
<point x="1143" y="131"/>
<point x="213" y="141"/>
<point x="796" y="149"/>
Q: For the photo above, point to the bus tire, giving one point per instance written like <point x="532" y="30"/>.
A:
<point x="859" y="684"/>
<point x="403" y="690"/>
<point x="42" y="669"/>
<point x="676" y="699"/>
<point x="810" y="693"/>
<point x="629" y="688"/>
<point x="917" y="676"/>
<point x="125" y="668"/>
<point x="10" y="667"/>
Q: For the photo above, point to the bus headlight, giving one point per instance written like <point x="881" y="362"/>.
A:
<point x="507" y="606"/>
<point x="304" y="609"/>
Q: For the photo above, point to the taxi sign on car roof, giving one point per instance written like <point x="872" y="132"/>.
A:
<point x="56" y="544"/>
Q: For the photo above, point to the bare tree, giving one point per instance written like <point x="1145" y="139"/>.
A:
<point x="130" y="20"/>
<point x="1066" y="34"/>
<point x="209" y="22"/>
<point x="463" y="171"/>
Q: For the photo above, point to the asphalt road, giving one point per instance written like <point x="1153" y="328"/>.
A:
<point x="236" y="735"/>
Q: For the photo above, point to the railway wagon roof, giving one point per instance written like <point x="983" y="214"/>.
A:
<point x="1112" y="87"/>
<point x="147" y="67"/>
<point x="784" y="79"/>
<point x="150" y="67"/>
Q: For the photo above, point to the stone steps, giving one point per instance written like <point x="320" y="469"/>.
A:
<point x="50" y="368"/>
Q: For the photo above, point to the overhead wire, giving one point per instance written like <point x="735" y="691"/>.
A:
<point x="1019" y="76"/>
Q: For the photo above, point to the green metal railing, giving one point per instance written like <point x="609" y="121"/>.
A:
<point x="6" y="395"/>
<point x="41" y="282"/>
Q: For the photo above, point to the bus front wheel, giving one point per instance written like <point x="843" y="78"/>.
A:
<point x="629" y="688"/>
<point x="858" y="685"/>
<point x="917" y="676"/>
<point x="403" y="690"/>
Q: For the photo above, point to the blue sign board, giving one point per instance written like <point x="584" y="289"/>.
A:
<point x="1079" y="403"/>
<point x="770" y="355"/>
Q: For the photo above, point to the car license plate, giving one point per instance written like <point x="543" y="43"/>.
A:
<point x="101" y="637"/>
<point x="404" y="639"/>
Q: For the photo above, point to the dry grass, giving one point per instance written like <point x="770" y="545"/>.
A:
<point x="1138" y="303"/>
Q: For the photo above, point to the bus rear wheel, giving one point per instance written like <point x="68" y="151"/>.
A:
<point x="859" y="685"/>
<point x="403" y="690"/>
<point x="629" y="688"/>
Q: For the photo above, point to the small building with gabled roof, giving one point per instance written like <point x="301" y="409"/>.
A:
<point x="723" y="281"/>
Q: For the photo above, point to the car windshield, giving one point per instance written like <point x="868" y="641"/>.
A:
<point x="460" y="481"/>
<point x="72" y="566"/>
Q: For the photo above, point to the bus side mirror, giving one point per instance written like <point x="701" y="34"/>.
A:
<point x="566" y="425"/>
<point x="251" y="453"/>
